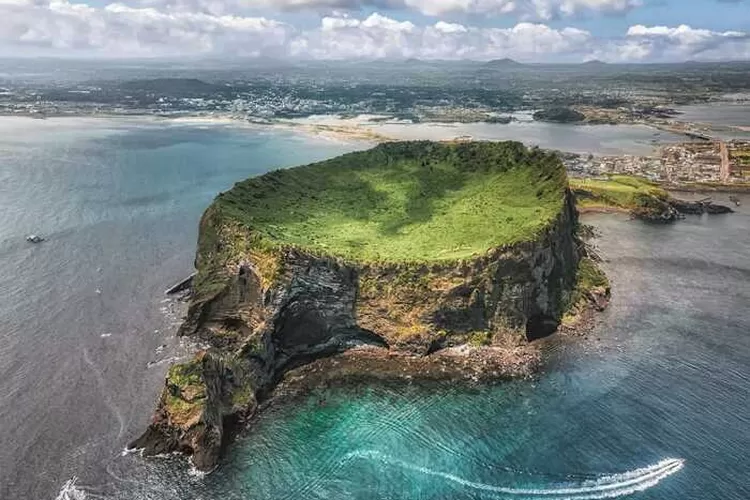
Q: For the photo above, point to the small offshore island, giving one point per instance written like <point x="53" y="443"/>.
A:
<point x="413" y="260"/>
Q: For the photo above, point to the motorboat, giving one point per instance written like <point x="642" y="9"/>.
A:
<point x="33" y="238"/>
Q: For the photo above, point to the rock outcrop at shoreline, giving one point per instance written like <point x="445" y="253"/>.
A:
<point x="670" y="209"/>
<point x="265" y="309"/>
<point x="642" y="198"/>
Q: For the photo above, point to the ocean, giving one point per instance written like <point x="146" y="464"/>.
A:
<point x="716" y="113"/>
<point x="85" y="337"/>
<point x="720" y="116"/>
<point x="652" y="405"/>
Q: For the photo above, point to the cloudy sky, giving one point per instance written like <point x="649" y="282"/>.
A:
<point x="525" y="30"/>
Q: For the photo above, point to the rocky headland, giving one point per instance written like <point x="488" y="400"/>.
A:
<point x="413" y="260"/>
<point x="641" y="198"/>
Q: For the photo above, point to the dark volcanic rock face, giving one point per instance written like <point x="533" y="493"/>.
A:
<point x="699" y="207"/>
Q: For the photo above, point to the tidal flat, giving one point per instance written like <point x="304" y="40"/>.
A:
<point x="581" y="139"/>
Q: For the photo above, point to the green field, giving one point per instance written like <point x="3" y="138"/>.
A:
<point x="404" y="202"/>
<point x="619" y="191"/>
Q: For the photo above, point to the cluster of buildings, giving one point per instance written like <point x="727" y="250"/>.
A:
<point x="260" y="108"/>
<point x="692" y="162"/>
<point x="157" y="97"/>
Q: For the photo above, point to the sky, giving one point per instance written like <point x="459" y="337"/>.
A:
<point x="632" y="31"/>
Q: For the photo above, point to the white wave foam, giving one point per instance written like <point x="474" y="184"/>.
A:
<point x="193" y="471"/>
<point x="70" y="491"/>
<point x="131" y="451"/>
<point x="605" y="486"/>
<point x="171" y="359"/>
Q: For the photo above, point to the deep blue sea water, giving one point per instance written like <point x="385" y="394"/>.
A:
<point x="653" y="405"/>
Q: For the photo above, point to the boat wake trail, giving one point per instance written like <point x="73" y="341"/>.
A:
<point x="601" y="487"/>
<point x="103" y="387"/>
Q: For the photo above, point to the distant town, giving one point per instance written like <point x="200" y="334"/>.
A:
<point x="711" y="163"/>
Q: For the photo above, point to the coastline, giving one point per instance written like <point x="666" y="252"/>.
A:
<point x="359" y="130"/>
<point x="318" y="130"/>
<point x="705" y="188"/>
<point x="603" y="209"/>
<point x="349" y="124"/>
<point x="366" y="364"/>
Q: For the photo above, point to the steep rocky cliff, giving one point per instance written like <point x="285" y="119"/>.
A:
<point x="266" y="308"/>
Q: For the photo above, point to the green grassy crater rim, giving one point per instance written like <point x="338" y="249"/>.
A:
<point x="404" y="201"/>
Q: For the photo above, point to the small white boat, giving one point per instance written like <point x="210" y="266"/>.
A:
<point x="33" y="238"/>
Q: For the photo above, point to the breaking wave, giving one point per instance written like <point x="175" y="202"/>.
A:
<point x="70" y="491"/>
<point x="601" y="487"/>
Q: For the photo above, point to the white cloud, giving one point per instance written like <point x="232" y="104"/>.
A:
<point x="575" y="7"/>
<point x="336" y="23"/>
<point x="441" y="7"/>
<point x="121" y="31"/>
<point x="382" y="37"/>
<point x="450" y="28"/>
<point x="683" y="33"/>
<point x="664" y="43"/>
<point x="60" y="27"/>
<point x="377" y="36"/>
<point x="526" y="9"/>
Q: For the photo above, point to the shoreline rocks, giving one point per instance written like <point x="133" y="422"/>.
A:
<point x="672" y="209"/>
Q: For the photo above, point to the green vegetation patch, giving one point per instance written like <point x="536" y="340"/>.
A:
<point x="224" y="243"/>
<point x="741" y="156"/>
<point x="185" y="375"/>
<point x="404" y="202"/>
<point x="480" y="339"/>
<point x="589" y="278"/>
<point x="559" y="115"/>
<point x="243" y="396"/>
<point x="185" y="395"/>
<point x="619" y="191"/>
